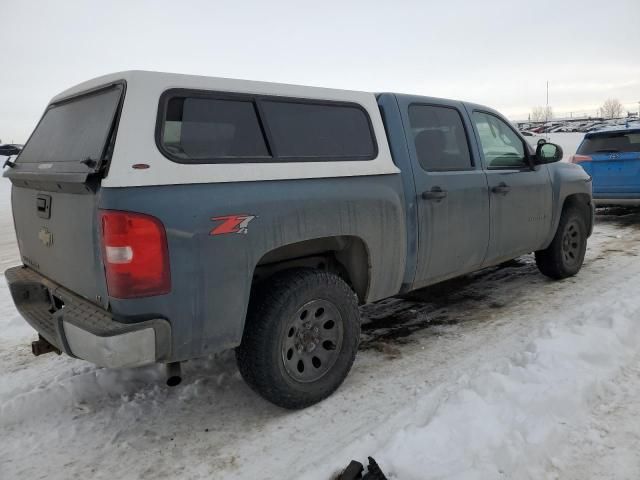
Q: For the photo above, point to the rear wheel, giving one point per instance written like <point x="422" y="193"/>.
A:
<point x="300" y="338"/>
<point x="565" y="255"/>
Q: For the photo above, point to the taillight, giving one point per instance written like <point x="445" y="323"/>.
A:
<point x="579" y="158"/>
<point x="135" y="254"/>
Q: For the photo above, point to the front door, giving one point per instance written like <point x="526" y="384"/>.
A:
<point x="520" y="194"/>
<point x="452" y="193"/>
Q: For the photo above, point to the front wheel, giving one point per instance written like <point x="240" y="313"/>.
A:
<point x="300" y="338"/>
<point x="564" y="256"/>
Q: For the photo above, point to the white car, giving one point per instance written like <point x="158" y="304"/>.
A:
<point x="532" y="138"/>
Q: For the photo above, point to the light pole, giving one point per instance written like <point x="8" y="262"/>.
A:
<point x="546" y="113"/>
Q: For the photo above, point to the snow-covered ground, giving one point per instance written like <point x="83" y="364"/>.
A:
<point x="499" y="375"/>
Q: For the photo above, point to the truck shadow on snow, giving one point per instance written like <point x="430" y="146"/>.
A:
<point x="391" y="323"/>
<point x="460" y="300"/>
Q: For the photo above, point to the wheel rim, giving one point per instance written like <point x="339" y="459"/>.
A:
<point x="312" y="341"/>
<point x="571" y="243"/>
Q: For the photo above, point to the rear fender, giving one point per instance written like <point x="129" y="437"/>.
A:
<point x="219" y="233"/>
<point x="348" y="256"/>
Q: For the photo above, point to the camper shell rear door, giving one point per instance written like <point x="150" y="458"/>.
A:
<point x="56" y="181"/>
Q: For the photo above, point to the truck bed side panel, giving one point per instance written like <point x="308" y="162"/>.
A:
<point x="211" y="274"/>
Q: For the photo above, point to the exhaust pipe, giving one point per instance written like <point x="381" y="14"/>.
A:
<point x="174" y="374"/>
<point x="42" y="346"/>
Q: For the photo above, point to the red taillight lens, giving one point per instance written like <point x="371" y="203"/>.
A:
<point x="579" y="158"/>
<point x="135" y="254"/>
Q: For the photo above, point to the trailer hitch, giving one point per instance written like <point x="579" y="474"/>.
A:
<point x="42" y="346"/>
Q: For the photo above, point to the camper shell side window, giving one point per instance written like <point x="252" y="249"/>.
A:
<point x="210" y="127"/>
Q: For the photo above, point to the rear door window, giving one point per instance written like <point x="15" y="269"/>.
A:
<point x="440" y="139"/>
<point x="613" y="142"/>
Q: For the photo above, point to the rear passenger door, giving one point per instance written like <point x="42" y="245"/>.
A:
<point x="520" y="193"/>
<point x="451" y="190"/>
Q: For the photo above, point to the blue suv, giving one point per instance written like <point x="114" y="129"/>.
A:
<point x="612" y="158"/>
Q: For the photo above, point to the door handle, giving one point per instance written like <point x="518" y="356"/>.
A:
<point x="43" y="206"/>
<point x="501" y="189"/>
<point x="436" y="193"/>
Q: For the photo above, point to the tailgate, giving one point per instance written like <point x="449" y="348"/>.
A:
<point x="65" y="247"/>
<point x="616" y="172"/>
<point x="56" y="181"/>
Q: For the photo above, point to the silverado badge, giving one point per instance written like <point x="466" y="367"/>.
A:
<point x="45" y="236"/>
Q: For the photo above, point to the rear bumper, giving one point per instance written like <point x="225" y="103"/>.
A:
<point x="82" y="329"/>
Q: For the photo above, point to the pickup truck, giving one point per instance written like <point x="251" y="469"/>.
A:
<point x="164" y="217"/>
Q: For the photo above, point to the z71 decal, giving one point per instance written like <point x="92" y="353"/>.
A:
<point x="232" y="224"/>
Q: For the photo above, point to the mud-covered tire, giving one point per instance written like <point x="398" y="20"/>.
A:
<point x="564" y="256"/>
<point x="299" y="308"/>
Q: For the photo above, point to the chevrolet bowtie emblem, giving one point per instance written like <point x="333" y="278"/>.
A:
<point x="45" y="236"/>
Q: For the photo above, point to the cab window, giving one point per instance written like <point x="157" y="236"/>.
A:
<point x="501" y="146"/>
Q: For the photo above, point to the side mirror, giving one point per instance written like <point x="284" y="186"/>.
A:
<point x="548" y="153"/>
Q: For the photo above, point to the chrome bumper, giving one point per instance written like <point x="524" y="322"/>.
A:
<point x="131" y="349"/>
<point x="83" y="329"/>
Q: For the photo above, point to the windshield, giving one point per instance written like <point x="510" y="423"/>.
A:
<point x="75" y="130"/>
<point x="611" y="142"/>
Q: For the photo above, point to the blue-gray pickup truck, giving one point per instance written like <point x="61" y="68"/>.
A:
<point x="164" y="217"/>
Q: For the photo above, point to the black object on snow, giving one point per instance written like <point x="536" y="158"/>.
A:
<point x="373" y="471"/>
<point x="354" y="471"/>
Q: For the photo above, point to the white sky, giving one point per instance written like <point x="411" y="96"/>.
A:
<point x="494" y="52"/>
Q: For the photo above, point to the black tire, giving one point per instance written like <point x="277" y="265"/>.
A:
<point x="564" y="256"/>
<point x="269" y="357"/>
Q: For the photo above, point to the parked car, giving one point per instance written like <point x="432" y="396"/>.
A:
<point x="612" y="158"/>
<point x="532" y="138"/>
<point x="596" y="126"/>
<point x="191" y="215"/>
<point x="10" y="149"/>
